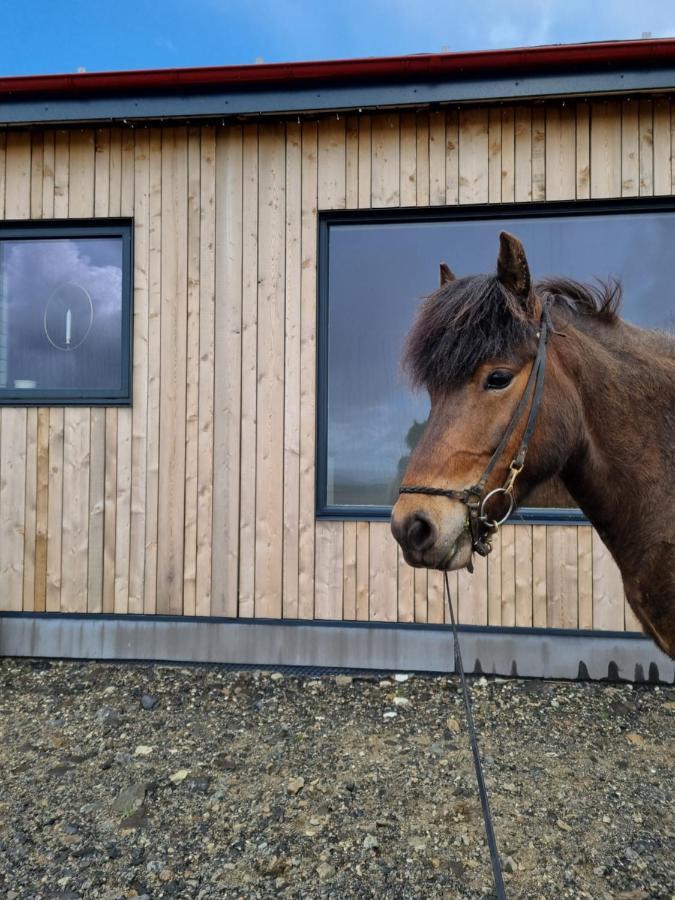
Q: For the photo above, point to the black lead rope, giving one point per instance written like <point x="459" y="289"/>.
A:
<point x="487" y="817"/>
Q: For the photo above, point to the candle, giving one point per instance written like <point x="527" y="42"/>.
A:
<point x="68" y="324"/>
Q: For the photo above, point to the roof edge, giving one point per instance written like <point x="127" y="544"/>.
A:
<point x="606" y="55"/>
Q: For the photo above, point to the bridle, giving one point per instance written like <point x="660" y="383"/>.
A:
<point x="475" y="498"/>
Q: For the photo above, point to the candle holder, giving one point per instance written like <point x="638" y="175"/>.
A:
<point x="76" y="305"/>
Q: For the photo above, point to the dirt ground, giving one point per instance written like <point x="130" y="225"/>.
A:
<point x="157" y="781"/>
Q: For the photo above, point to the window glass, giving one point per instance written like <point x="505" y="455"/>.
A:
<point x="61" y="316"/>
<point x="378" y="271"/>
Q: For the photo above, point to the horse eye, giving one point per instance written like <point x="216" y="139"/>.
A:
<point x="498" y="380"/>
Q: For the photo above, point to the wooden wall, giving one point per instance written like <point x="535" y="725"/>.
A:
<point x="200" y="499"/>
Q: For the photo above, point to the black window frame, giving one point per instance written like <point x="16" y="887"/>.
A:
<point x="410" y="215"/>
<point x="78" y="229"/>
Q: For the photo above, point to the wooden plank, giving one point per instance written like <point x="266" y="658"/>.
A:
<point x="48" y="165"/>
<point x="192" y="374"/>
<point x="232" y="423"/>
<point x="41" y="510"/>
<point x="37" y="174"/>
<point x="406" y="590"/>
<point x="270" y="402"/>
<point x="349" y="571"/>
<point x="421" y="595"/>
<point x="608" y="608"/>
<point x="77" y="420"/>
<point x="12" y="505"/>
<point x="141" y="334"/>
<point x="293" y="316"/>
<point x="102" y="172"/>
<point x="495" y="156"/>
<point x="472" y="593"/>
<point x="98" y="455"/>
<point x="16" y="513"/>
<point x="362" y="571"/>
<point x="585" y="566"/>
<point x="30" y="527"/>
<point x="662" y="146"/>
<point x="124" y="416"/>
<point x="61" y="173"/>
<point x="115" y="174"/>
<point x="435" y="597"/>
<point x="383" y="573"/>
<point x="539" y="586"/>
<point x="123" y="511"/>
<point x="408" y="159"/>
<point x="17" y="184"/>
<point x="3" y="148"/>
<point x="207" y="269"/>
<point x="522" y="188"/>
<point x="55" y="507"/>
<point x="365" y="160"/>
<point x="538" y="153"/>
<point x="508" y="148"/>
<point x="473" y="155"/>
<point x="294" y="138"/>
<point x="308" y="365"/>
<point x="173" y="368"/>
<point x="154" y="364"/>
<point x="332" y="182"/>
<point x="423" y="159"/>
<point x="328" y="575"/>
<point x="386" y="161"/>
<point x="560" y="167"/>
<point x="630" y="149"/>
<point x="75" y="529"/>
<point x="249" y="373"/>
<point x="110" y="511"/>
<point x="605" y="149"/>
<point x="437" y="158"/>
<point x="562" y="576"/>
<point x="508" y="536"/>
<point x="646" y="119"/>
<point x="452" y="156"/>
<point x="494" y="582"/>
<point x="96" y="511"/>
<point x="523" y="573"/>
<point x="583" y="146"/>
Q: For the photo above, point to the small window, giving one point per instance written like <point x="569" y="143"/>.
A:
<point x="374" y="266"/>
<point x="65" y="313"/>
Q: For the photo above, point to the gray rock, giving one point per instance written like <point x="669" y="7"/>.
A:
<point x="108" y="715"/>
<point x="131" y="799"/>
<point x="149" y="702"/>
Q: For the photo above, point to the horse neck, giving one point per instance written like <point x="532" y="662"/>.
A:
<point x="618" y="469"/>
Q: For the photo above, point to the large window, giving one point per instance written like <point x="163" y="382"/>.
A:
<point x="65" y="298"/>
<point x="374" y="268"/>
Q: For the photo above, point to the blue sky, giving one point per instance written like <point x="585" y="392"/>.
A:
<point x="41" y="36"/>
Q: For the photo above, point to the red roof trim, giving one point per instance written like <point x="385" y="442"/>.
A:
<point x="608" y="54"/>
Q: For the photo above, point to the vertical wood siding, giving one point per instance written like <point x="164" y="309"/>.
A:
<point x="200" y="499"/>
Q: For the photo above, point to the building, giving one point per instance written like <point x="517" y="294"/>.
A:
<point x="201" y="418"/>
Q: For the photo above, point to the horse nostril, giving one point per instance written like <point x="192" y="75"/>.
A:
<point x="421" y="533"/>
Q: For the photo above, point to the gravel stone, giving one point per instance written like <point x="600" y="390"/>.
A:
<point x="383" y="807"/>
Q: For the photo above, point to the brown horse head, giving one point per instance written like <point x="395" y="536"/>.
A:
<point x="473" y="346"/>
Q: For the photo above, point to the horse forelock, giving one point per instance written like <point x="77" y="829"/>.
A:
<point x="473" y="319"/>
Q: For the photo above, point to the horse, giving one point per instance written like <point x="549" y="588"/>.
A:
<point x="530" y="381"/>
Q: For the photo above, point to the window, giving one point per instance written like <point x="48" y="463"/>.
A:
<point x="374" y="268"/>
<point x="65" y="312"/>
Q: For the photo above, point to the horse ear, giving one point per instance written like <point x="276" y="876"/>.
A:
<point x="446" y="274"/>
<point x="512" y="268"/>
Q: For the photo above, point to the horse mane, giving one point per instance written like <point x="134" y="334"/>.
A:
<point x="472" y="319"/>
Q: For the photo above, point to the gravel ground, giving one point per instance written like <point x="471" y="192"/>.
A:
<point x="159" y="781"/>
